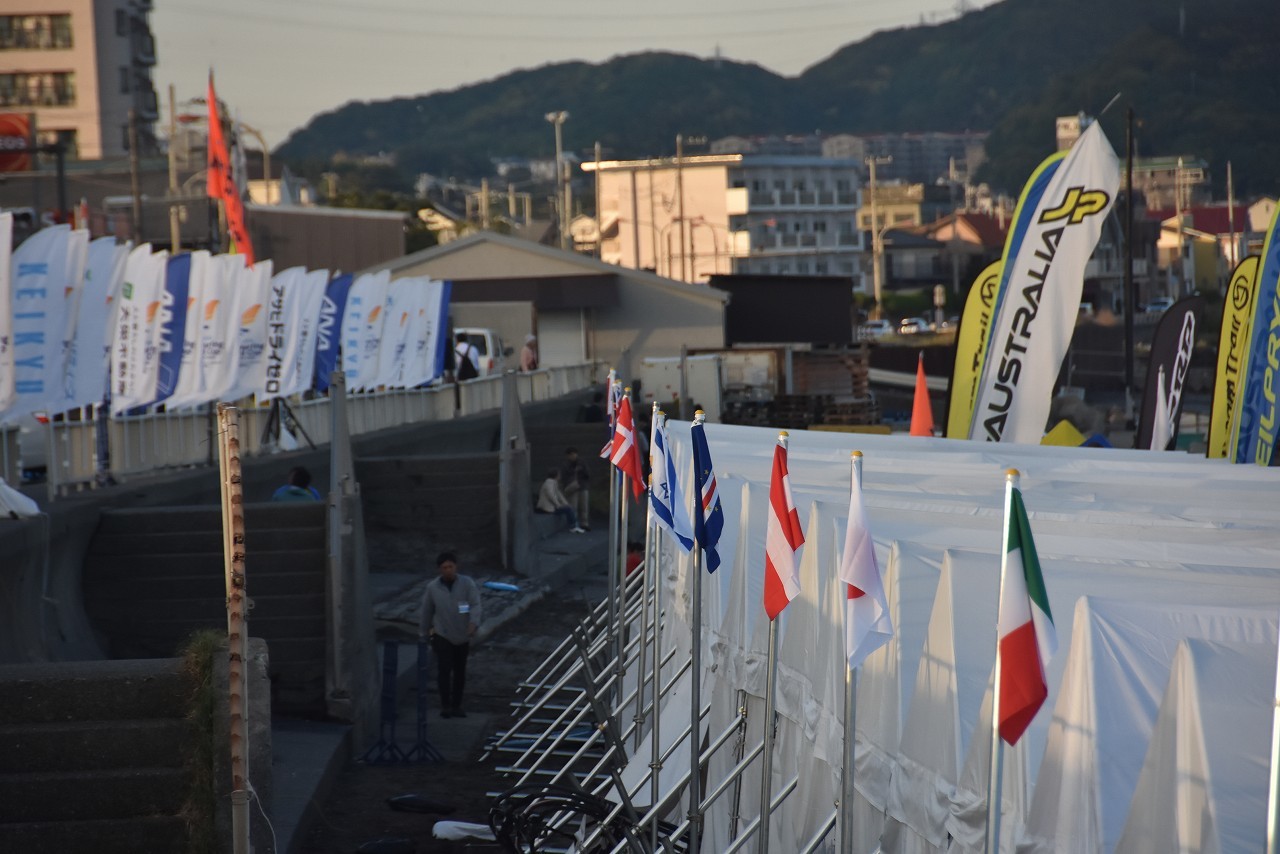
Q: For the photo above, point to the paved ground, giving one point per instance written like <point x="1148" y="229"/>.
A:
<point x="356" y="812"/>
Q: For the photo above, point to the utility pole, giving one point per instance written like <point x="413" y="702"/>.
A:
<point x="680" y="204"/>
<point x="134" y="185"/>
<point x="955" y="229"/>
<point x="175" y="227"/>
<point x="1177" y="215"/>
<point x="876" y="234"/>
<point x="1130" y="298"/>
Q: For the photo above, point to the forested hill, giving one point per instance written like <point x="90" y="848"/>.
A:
<point x="1203" y="77"/>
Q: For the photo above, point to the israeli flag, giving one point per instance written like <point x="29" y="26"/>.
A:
<point x="665" y="496"/>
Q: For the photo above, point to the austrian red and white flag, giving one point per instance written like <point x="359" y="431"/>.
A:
<point x="624" y="453"/>
<point x="867" y="624"/>
<point x="1028" y="639"/>
<point x="783" y="538"/>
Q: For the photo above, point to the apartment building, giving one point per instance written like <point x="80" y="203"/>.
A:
<point x="927" y="158"/>
<point x="731" y="213"/>
<point x="80" y="66"/>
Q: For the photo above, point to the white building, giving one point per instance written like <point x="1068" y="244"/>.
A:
<point x="80" y="66"/>
<point x="730" y="213"/>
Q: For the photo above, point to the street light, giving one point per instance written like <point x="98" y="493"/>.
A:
<point x="558" y="119"/>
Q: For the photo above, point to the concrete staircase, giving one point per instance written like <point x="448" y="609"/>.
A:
<point x="91" y="757"/>
<point x="153" y="576"/>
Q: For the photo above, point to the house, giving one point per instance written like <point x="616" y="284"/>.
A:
<point x="580" y="308"/>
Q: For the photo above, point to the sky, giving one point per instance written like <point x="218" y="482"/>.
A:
<point x="280" y="62"/>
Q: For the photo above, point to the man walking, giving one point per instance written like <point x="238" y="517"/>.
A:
<point x="450" y="616"/>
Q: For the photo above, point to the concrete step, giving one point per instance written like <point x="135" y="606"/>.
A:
<point x="202" y="541"/>
<point x="148" y="565"/>
<point x="150" y="834"/>
<point x="92" y="745"/>
<point x="116" y="690"/>
<point x="102" y="589"/>
<point x="145" y="628"/>
<point x="272" y="607"/>
<point x="146" y="520"/>
<point x="87" y="795"/>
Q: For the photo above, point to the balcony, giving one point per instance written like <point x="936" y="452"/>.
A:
<point x="794" y="244"/>
<point x="147" y="104"/>
<point x="144" y="48"/>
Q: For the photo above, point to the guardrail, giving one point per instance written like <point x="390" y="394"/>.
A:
<point x="156" y="441"/>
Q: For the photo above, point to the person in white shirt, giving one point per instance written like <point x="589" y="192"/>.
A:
<point x="467" y="358"/>
<point x="551" y="500"/>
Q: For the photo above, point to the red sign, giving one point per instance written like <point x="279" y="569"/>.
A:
<point x="15" y="141"/>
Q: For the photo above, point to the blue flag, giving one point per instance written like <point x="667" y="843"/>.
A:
<point x="708" y="520"/>
<point x="329" y="330"/>
<point x="665" y="494"/>
<point x="173" y="324"/>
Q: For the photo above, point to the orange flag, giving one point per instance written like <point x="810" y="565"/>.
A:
<point x="221" y="185"/>
<point x="921" y="411"/>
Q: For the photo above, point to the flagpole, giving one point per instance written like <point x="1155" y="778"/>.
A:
<point x="621" y="588"/>
<point x="766" y="771"/>
<point x="695" y="706"/>
<point x="992" y="845"/>
<point x="641" y="669"/>
<point x="655" y="755"/>
<point x="850" y="717"/>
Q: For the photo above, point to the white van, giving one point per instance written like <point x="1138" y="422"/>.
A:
<point x="489" y="348"/>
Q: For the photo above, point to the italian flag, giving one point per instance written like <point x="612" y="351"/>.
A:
<point x="1027" y="637"/>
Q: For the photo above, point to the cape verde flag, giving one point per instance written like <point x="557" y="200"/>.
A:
<point x="708" y="520"/>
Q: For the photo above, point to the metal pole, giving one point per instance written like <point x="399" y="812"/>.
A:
<point x="766" y="771"/>
<point x="620" y="590"/>
<point x="680" y="201"/>
<point x="642" y="670"/>
<point x="1273" y="795"/>
<point x="695" y="704"/>
<point x="134" y="185"/>
<point x="1130" y="302"/>
<point x="850" y="720"/>
<point x="997" y="746"/>
<point x="655" y="760"/>
<point x="237" y="631"/>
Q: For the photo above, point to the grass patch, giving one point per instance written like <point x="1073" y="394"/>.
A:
<point x="198" y="811"/>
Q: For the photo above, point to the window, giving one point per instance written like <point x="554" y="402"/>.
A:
<point x="122" y="22"/>
<point x="38" y="89"/>
<point x="35" y="32"/>
<point x="125" y="74"/>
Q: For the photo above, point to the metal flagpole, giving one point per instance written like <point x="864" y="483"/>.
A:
<point x="850" y="717"/>
<point x="614" y="491"/>
<point x="642" y="670"/>
<point x="695" y="705"/>
<point x="655" y="760"/>
<point x="766" y="771"/>
<point x="1273" y="796"/>
<point x="620" y="587"/>
<point x="997" y="746"/>
<point x="237" y="631"/>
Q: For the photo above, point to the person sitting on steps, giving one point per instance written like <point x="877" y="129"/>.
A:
<point x="551" y="500"/>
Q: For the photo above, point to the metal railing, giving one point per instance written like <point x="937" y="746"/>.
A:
<point x="158" y="441"/>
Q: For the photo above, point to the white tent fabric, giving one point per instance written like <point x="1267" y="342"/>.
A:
<point x="1204" y="782"/>
<point x="1167" y="529"/>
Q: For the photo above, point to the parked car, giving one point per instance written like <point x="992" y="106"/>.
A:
<point x="1159" y="305"/>
<point x="874" y="330"/>
<point x="913" y="326"/>
<point x="33" y="445"/>
<point x="488" y="345"/>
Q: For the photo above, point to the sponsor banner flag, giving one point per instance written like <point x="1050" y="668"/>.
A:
<point x="971" y="350"/>
<point x="362" y="328"/>
<point x="7" y="392"/>
<point x="329" y="330"/>
<point x="708" y="516"/>
<point x="251" y="334"/>
<point x="666" y="498"/>
<point x="1028" y="639"/>
<point x="404" y="299"/>
<point x="1254" y="436"/>
<point x="1055" y="228"/>
<point x="626" y="453"/>
<point x="1162" y="430"/>
<point x="220" y="181"/>
<point x="1237" y="316"/>
<point x="783" y="537"/>
<point x="77" y="260"/>
<point x="1171" y="348"/>
<point x="867" y="624"/>
<point x="140" y="292"/>
<point x="219" y="312"/>
<point x="104" y="270"/>
<point x="304" y="315"/>
<point x="190" y="385"/>
<point x="173" y="325"/>
<point x="38" y="305"/>
<point x="435" y="339"/>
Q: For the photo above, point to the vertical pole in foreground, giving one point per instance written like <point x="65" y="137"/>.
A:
<point x="766" y="771"/>
<point x="614" y="492"/>
<point x="997" y="746"/>
<point x="850" y="719"/>
<point x="620" y="590"/>
<point x="695" y="703"/>
<point x="1273" y="796"/>
<point x="650" y="546"/>
<point x="237" y="631"/>
<point x="655" y="756"/>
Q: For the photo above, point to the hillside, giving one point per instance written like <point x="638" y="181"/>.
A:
<point x="1202" y="75"/>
